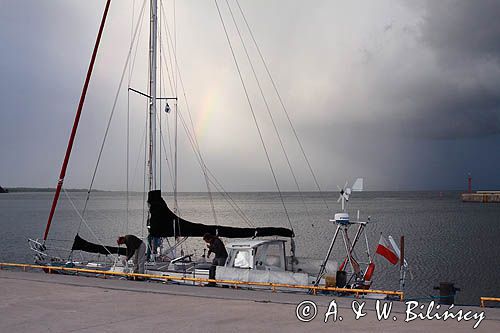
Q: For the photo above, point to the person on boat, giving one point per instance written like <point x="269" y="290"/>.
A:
<point x="135" y="248"/>
<point x="216" y="246"/>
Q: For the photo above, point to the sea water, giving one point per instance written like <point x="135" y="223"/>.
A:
<point x="445" y="240"/>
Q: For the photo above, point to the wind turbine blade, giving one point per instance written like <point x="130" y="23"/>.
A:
<point x="358" y="185"/>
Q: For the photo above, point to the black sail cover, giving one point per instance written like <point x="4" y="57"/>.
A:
<point x="83" y="245"/>
<point x="162" y="219"/>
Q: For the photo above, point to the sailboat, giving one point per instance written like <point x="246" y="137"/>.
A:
<point x="258" y="254"/>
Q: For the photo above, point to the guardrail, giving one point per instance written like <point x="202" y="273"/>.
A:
<point x="489" y="299"/>
<point x="273" y="286"/>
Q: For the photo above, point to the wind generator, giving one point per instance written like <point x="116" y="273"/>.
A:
<point x="343" y="222"/>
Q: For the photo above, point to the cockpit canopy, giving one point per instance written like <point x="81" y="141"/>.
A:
<point x="257" y="254"/>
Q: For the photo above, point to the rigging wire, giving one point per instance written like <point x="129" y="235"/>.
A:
<point x="269" y="112"/>
<point x="254" y="116"/>
<point x="169" y="156"/>
<point x="170" y="50"/>
<point x="127" y="164"/>
<point x="140" y="150"/>
<point x="219" y="187"/>
<point x="128" y="123"/>
<point x="111" y="115"/>
<point x="176" y="151"/>
<point x="142" y="144"/>
<point x="86" y="224"/>
<point x="133" y="62"/>
<point x="145" y="178"/>
<point x="213" y="181"/>
<point x="177" y="78"/>
<point x="131" y="39"/>
<point x="169" y="166"/>
<point x="162" y="144"/>
<point x="162" y="57"/>
<point x="176" y="204"/>
<point x="158" y="114"/>
<point x="196" y="147"/>
<point x="136" y="47"/>
<point x="194" y="144"/>
<point x="172" y="84"/>
<point x="76" y="121"/>
<point x="283" y="106"/>
<point x="162" y="141"/>
<point x="175" y="47"/>
<point x="192" y="137"/>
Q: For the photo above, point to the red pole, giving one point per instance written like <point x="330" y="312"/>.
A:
<point x="470" y="183"/>
<point x="75" y="123"/>
<point x="402" y="247"/>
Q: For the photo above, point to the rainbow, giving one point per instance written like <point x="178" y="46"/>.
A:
<point x="205" y="115"/>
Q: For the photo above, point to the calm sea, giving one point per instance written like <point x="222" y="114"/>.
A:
<point x="446" y="240"/>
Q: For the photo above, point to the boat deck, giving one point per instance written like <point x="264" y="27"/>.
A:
<point x="58" y="303"/>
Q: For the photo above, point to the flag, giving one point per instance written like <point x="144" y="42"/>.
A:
<point x="386" y="251"/>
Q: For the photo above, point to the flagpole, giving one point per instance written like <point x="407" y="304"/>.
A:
<point x="75" y="124"/>
<point x="402" y="263"/>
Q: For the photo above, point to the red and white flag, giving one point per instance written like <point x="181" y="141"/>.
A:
<point x="386" y="251"/>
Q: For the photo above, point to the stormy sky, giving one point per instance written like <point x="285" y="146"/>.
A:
<point x="403" y="93"/>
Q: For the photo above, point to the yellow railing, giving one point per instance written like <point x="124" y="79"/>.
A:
<point x="273" y="286"/>
<point x="489" y="299"/>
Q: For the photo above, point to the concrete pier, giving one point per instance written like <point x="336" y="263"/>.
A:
<point x="37" y="302"/>
<point x="482" y="196"/>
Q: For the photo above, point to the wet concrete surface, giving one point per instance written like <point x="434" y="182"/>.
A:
<point x="37" y="302"/>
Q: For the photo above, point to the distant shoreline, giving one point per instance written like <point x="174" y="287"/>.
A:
<point x="43" y="189"/>
<point x="82" y="190"/>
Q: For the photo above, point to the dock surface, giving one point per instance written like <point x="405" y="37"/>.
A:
<point x="37" y="302"/>
<point x="482" y="196"/>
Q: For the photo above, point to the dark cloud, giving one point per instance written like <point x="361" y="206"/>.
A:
<point x="405" y="94"/>
<point x="447" y="110"/>
<point x="463" y="31"/>
<point x="462" y="99"/>
<point x="434" y="78"/>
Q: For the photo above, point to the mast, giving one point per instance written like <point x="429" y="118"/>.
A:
<point x="75" y="123"/>
<point x="153" y="31"/>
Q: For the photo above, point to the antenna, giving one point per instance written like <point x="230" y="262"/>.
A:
<point x="343" y="223"/>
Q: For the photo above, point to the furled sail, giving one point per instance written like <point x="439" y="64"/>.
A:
<point x="162" y="219"/>
<point x="83" y="245"/>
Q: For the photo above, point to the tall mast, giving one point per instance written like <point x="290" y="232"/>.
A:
<point x="75" y="123"/>
<point x="153" y="30"/>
